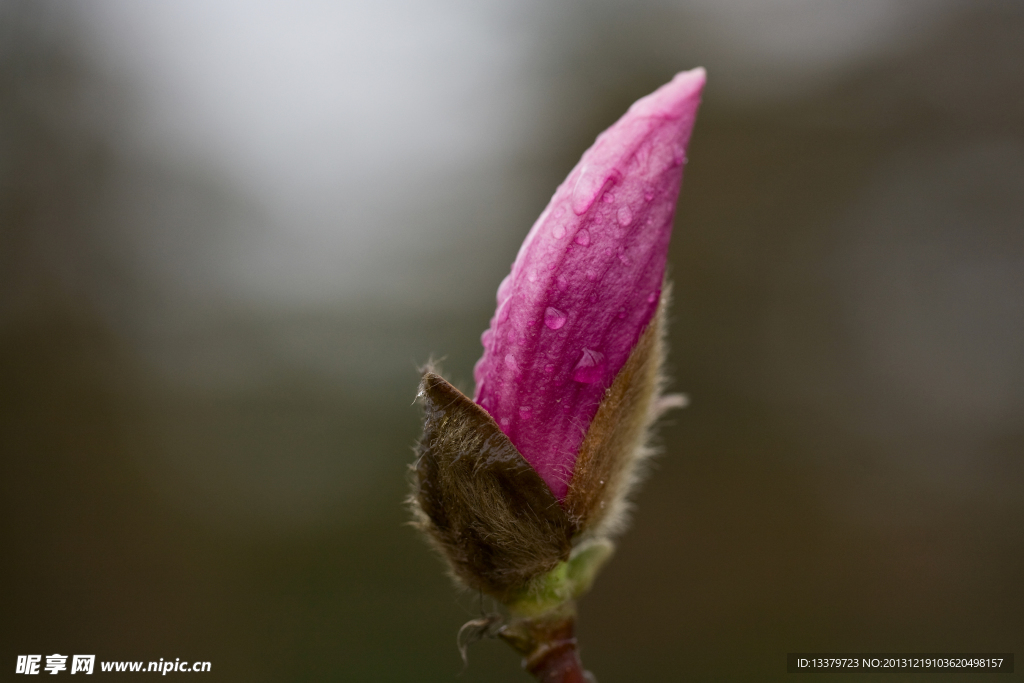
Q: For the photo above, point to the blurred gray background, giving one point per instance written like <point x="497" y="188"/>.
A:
<point x="230" y="231"/>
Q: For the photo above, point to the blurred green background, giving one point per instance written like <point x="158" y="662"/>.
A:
<point x="229" y="233"/>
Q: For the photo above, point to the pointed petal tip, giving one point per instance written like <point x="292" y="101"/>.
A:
<point x="678" y="97"/>
<point x="686" y="84"/>
<point x="698" y="74"/>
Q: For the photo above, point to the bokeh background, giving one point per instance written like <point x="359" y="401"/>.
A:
<point x="231" y="231"/>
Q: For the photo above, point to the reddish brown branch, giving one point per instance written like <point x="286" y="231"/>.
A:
<point x="559" y="664"/>
<point x="548" y="646"/>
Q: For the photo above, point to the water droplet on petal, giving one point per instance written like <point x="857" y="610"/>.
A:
<point x="510" y="362"/>
<point x="549" y="368"/>
<point x="505" y="288"/>
<point x="652" y="297"/>
<point x="587" y="187"/>
<point x="554" y="318"/>
<point x="590" y="184"/>
<point x="622" y="313"/>
<point x="563" y="282"/>
<point x="678" y="155"/>
<point x="648" y="194"/>
<point x="583" y="237"/>
<point x="532" y="275"/>
<point x="503" y="311"/>
<point x="525" y="412"/>
<point x="590" y="368"/>
<point x="504" y="422"/>
<point x="559" y="212"/>
<point x="558" y="232"/>
<point x="624" y="216"/>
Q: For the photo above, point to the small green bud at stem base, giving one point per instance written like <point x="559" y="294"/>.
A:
<point x="567" y="581"/>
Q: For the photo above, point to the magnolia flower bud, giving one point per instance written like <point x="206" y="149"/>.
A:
<point x="522" y="489"/>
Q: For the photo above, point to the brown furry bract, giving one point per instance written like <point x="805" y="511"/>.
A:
<point x="609" y="464"/>
<point x="482" y="505"/>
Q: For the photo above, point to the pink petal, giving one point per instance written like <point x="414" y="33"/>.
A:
<point x="591" y="268"/>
